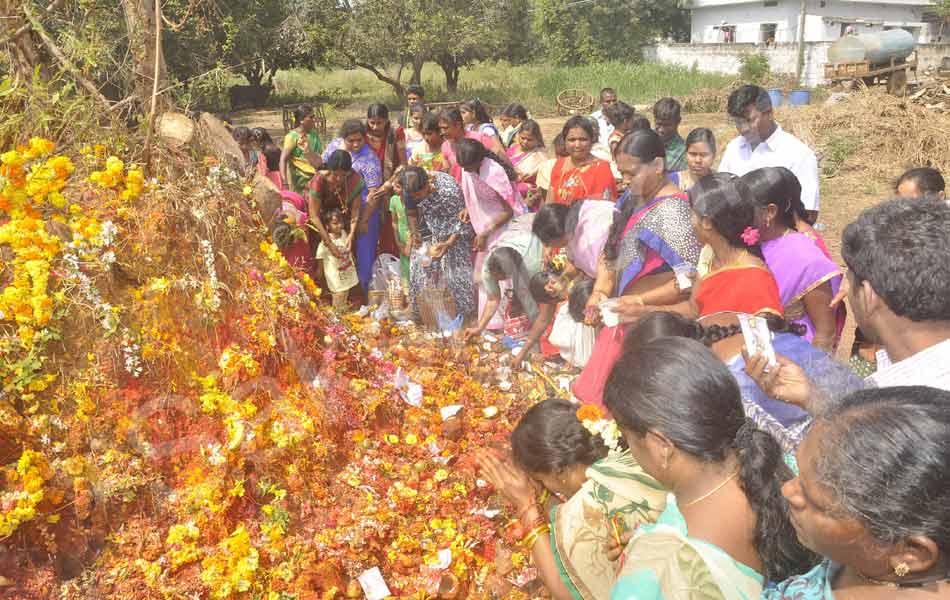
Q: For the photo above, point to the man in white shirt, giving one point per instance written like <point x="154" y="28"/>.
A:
<point x="608" y="97"/>
<point x="898" y="255"/>
<point x="763" y="143"/>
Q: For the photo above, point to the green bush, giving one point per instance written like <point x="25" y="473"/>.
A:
<point x="754" y="68"/>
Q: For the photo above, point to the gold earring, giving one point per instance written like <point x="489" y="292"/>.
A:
<point x="902" y="569"/>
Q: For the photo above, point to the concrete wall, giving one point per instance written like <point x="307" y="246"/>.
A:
<point x="823" y="19"/>
<point x="783" y="57"/>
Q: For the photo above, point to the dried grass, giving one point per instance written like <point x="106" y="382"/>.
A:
<point x="890" y="133"/>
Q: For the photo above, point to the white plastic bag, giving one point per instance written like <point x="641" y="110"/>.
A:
<point x="574" y="340"/>
<point x="385" y="268"/>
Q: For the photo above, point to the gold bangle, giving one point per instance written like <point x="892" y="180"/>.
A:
<point x="532" y="537"/>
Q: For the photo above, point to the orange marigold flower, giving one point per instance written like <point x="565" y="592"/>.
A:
<point x="589" y="412"/>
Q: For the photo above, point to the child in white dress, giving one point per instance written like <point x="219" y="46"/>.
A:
<point x="338" y="267"/>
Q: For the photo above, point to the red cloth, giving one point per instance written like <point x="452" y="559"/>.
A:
<point x="590" y="181"/>
<point x="751" y="290"/>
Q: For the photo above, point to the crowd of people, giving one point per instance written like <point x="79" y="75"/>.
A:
<point x="629" y="256"/>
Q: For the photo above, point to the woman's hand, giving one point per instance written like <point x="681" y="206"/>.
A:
<point x="615" y="550"/>
<point x="471" y="332"/>
<point x="786" y="381"/>
<point x="630" y="308"/>
<point x="463" y="215"/>
<point x="437" y="251"/>
<point x="481" y="240"/>
<point x="592" y="309"/>
<point x="510" y="481"/>
<point x="843" y="292"/>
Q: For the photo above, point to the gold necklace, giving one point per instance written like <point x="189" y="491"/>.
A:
<point x="712" y="491"/>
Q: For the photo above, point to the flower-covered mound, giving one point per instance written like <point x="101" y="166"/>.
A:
<point x="181" y="416"/>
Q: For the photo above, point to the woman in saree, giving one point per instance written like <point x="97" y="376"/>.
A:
<point x="872" y="497"/>
<point x="725" y="530"/>
<point x="300" y="156"/>
<point x="581" y="229"/>
<point x="527" y="156"/>
<point x="651" y="233"/>
<point x="289" y="232"/>
<point x="366" y="163"/>
<point x="598" y="491"/>
<point x="733" y="276"/>
<point x="336" y="187"/>
<point x="491" y="200"/>
<point x="580" y="174"/>
<point x="700" y="156"/>
<point x="453" y="132"/>
<point x="807" y="279"/>
<point x="722" y="334"/>
<point x="433" y="202"/>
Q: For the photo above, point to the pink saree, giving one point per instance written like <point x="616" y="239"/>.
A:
<point x="593" y="228"/>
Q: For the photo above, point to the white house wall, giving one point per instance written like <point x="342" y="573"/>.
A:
<point x="747" y="17"/>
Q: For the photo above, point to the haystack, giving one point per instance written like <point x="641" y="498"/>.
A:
<point x="889" y="134"/>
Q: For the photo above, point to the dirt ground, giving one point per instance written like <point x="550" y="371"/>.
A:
<point x="843" y="197"/>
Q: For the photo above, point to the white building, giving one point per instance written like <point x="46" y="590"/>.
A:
<point x="776" y="21"/>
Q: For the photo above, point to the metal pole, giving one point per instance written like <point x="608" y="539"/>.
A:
<point x="801" y="42"/>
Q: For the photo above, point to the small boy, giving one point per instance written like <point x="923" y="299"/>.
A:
<point x="338" y="267"/>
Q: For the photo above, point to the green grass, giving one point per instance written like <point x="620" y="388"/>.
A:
<point x="535" y="86"/>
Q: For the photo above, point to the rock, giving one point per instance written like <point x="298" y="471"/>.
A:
<point x="215" y="136"/>
<point x="266" y="196"/>
<point x="175" y="129"/>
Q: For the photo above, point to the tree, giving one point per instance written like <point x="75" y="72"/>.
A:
<point x="385" y="36"/>
<point x="572" y="32"/>
<point x="255" y="38"/>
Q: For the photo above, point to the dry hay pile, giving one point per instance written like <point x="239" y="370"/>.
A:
<point x="935" y="96"/>
<point x="872" y="134"/>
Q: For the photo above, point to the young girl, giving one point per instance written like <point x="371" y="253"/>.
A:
<point x="401" y="230"/>
<point x="428" y="154"/>
<point x="340" y="273"/>
<point x="414" y="136"/>
<point x="527" y="156"/>
<point x="268" y="161"/>
<point x="700" y="156"/>
<point x="476" y="118"/>
<point x="512" y="118"/>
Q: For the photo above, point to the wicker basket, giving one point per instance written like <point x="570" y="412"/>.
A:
<point x="574" y="102"/>
<point x="397" y="300"/>
<point x="432" y="302"/>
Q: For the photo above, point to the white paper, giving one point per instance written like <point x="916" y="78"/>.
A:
<point x="373" y="584"/>
<point x="757" y="336"/>
<point x="450" y="411"/>
<point x="401" y="379"/>
<point x="607" y="314"/>
<point x="413" y="395"/>
<point x="445" y="559"/>
<point x="683" y="280"/>
<point x="488" y="513"/>
<point x="489" y="337"/>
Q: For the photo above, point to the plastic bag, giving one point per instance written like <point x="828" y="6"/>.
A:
<point x="574" y="340"/>
<point x="385" y="268"/>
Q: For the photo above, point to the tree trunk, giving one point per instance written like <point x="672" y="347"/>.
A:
<point x="140" y="22"/>
<point x="25" y="56"/>
<point x="451" y="69"/>
<point x="417" y="64"/>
